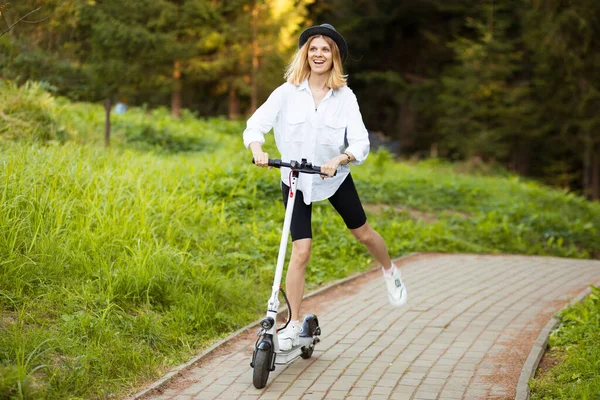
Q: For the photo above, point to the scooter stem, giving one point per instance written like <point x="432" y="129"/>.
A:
<point x="273" y="301"/>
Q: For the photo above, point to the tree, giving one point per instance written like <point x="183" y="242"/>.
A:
<point x="126" y="51"/>
<point x="9" y="26"/>
<point x="247" y="50"/>
<point x="275" y="25"/>
<point x="562" y="36"/>
<point x="262" y="41"/>
<point x="485" y="107"/>
<point x="40" y="49"/>
<point x="397" y="50"/>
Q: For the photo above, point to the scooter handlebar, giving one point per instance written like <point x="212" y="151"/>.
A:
<point x="302" y="167"/>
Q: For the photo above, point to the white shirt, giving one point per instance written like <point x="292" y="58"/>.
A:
<point x="316" y="135"/>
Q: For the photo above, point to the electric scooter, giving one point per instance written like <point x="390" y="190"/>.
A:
<point x="266" y="349"/>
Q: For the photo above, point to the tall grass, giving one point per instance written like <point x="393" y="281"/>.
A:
<point x="117" y="264"/>
<point x="117" y="260"/>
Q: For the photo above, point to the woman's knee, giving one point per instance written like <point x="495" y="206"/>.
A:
<point x="365" y="234"/>
<point x="301" y="250"/>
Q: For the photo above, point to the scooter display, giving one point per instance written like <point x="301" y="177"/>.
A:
<point x="266" y="349"/>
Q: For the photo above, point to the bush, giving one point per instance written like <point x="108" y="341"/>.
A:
<point x="158" y="130"/>
<point x="29" y="113"/>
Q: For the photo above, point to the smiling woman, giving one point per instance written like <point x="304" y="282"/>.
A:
<point x="315" y="116"/>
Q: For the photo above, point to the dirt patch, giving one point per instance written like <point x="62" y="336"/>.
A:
<point x="549" y="360"/>
<point x="412" y="213"/>
<point x="509" y="363"/>
<point x="6" y="320"/>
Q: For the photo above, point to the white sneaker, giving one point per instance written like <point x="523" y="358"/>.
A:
<point x="289" y="337"/>
<point x="397" y="293"/>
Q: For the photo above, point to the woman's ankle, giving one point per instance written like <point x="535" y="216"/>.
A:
<point x="388" y="271"/>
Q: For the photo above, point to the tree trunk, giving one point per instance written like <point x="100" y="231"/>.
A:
<point x="595" y="174"/>
<point x="107" y="108"/>
<point x="405" y="124"/>
<point x="519" y="159"/>
<point x="255" y="54"/>
<point x="176" y="95"/>
<point x="433" y="150"/>
<point x="587" y="165"/>
<point x="234" y="104"/>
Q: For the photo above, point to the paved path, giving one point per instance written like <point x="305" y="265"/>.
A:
<point x="469" y="325"/>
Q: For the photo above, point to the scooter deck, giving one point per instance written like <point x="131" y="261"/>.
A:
<point x="285" y="357"/>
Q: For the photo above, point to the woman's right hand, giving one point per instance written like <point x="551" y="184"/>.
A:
<point x="261" y="158"/>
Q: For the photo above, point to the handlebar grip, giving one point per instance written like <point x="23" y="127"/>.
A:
<point x="274" y="162"/>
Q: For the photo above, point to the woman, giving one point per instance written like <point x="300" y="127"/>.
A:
<point x="313" y="115"/>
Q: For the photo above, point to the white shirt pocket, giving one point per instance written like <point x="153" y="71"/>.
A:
<point x="333" y="132"/>
<point x="294" y="127"/>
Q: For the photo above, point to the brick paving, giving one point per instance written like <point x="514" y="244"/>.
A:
<point x="465" y="333"/>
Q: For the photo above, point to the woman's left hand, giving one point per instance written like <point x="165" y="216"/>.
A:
<point x="330" y="167"/>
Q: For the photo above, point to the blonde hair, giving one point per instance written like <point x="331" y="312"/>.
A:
<point x="299" y="69"/>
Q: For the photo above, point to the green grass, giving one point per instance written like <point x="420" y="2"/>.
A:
<point x="117" y="264"/>
<point x="575" y="344"/>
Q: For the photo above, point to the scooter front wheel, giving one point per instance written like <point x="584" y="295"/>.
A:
<point x="262" y="367"/>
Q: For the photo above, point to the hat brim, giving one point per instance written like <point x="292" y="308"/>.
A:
<point x="321" y="30"/>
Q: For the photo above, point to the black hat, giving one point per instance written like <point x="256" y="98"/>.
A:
<point x="326" y="30"/>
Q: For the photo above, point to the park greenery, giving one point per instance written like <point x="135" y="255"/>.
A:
<point x="512" y="82"/>
<point x="119" y="263"/>
<point x="575" y="346"/>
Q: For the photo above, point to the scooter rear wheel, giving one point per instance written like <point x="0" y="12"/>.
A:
<point x="307" y="351"/>
<point x="262" y="367"/>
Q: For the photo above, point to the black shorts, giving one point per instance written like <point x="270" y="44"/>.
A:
<point x="345" y="201"/>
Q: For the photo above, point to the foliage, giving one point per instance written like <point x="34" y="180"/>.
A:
<point x="147" y="51"/>
<point x="562" y="37"/>
<point x="512" y="82"/>
<point x="43" y="51"/>
<point x="118" y="264"/>
<point x="28" y="113"/>
<point x="31" y="113"/>
<point x="155" y="131"/>
<point x="575" y="343"/>
<point x="486" y="107"/>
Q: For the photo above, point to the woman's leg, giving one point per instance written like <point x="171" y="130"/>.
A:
<point x="374" y="243"/>
<point x="348" y="205"/>
<point x="301" y="231"/>
<point x="396" y="289"/>
<point x="294" y="280"/>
